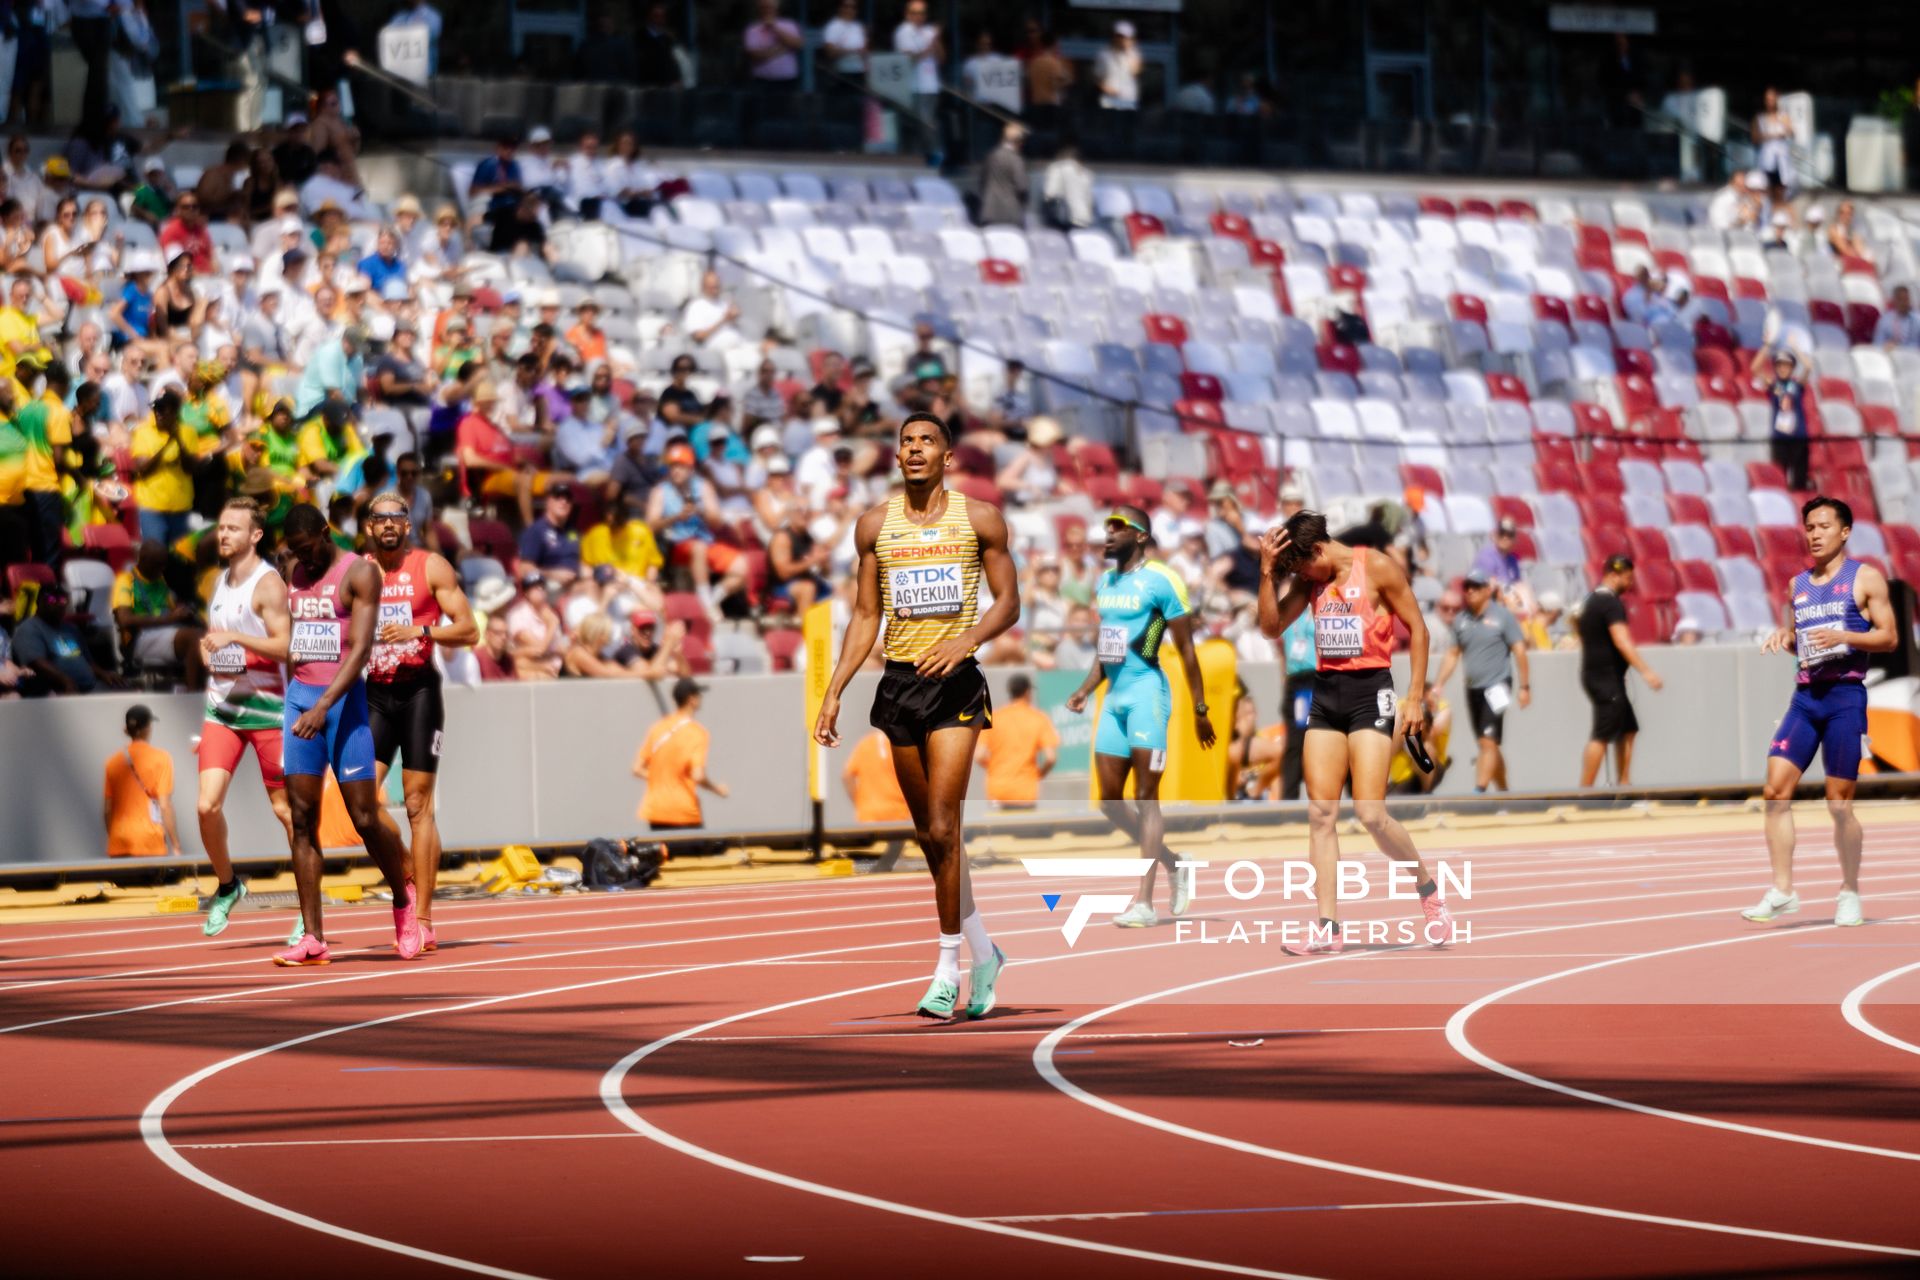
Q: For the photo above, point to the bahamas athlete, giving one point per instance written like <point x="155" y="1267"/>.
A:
<point x="1141" y="602"/>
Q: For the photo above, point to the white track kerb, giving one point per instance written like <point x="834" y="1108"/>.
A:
<point x="1856" y="1016"/>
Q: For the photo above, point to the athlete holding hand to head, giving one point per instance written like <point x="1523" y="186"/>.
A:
<point x="1355" y="594"/>
<point x="1837" y="613"/>
<point x="922" y="554"/>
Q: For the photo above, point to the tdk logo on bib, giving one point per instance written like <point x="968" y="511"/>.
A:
<point x="921" y="591"/>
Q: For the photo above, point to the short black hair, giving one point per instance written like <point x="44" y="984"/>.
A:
<point x="1306" y="531"/>
<point x="1840" y="509"/>
<point x="1019" y="686"/>
<point x="304" y="519"/>
<point x="935" y="419"/>
<point x="57" y="376"/>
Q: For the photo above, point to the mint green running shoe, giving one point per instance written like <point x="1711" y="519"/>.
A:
<point x="980" y="997"/>
<point x="939" y="1000"/>
<point x="221" y="907"/>
<point x="298" y="931"/>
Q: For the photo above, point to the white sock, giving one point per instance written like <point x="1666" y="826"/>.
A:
<point x="974" y="930"/>
<point x="949" y="966"/>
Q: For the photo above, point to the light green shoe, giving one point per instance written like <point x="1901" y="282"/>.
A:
<point x="221" y="907"/>
<point x="298" y="932"/>
<point x="980" y="997"/>
<point x="939" y="1000"/>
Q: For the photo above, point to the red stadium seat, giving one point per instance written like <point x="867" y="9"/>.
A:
<point x="1340" y="357"/>
<point x="1672" y="260"/>
<point x="1778" y="542"/>
<point x="1557" y="477"/>
<point x="1143" y="491"/>
<point x="1696" y="575"/>
<point x="1709" y="287"/>
<point x="1603" y="513"/>
<point x="1233" y="226"/>
<point x="1425" y="477"/>
<point x="1160" y="327"/>
<point x="1862" y="318"/>
<point x="1631" y="360"/>
<point x="1647" y="546"/>
<point x="19" y="575"/>
<point x="1588" y="306"/>
<point x="1708" y="334"/>
<point x="1821" y="311"/>
<point x="1507" y="507"/>
<point x="1880" y="420"/>
<point x="1748" y="287"/>
<point x="1733" y="540"/>
<point x="1437" y="206"/>
<point x="1235" y="455"/>
<point x="1090" y="458"/>
<point x="1523" y="546"/>
<point x="1600" y="476"/>
<point x="1716" y="386"/>
<point x="1143" y="226"/>
<point x="1517" y="209"/>
<point x="1555" y="309"/>
<point x="1765" y="475"/>
<point x="1637" y="396"/>
<point x="1834" y="389"/>
<point x="1202" y="386"/>
<point x="1106" y="491"/>
<point x="1555" y="449"/>
<point x="1588" y="236"/>
<point x="1198" y="415"/>
<point x="979" y="489"/>
<point x="1688" y="508"/>
<point x="1346" y="276"/>
<point x="1852" y="266"/>
<point x="1902" y="539"/>
<point x="998" y="271"/>
<point x="685" y="606"/>
<point x="1655" y="579"/>
<point x="1267" y="254"/>
<point x="783" y="646"/>
<point x="1474" y="207"/>
<point x="1504" y="386"/>
<point x="1592" y="419"/>
<point x="113" y="542"/>
<point x="1467" y="307"/>
<point x="493" y="538"/>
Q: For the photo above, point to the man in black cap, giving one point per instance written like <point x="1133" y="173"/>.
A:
<point x="673" y="764"/>
<point x="1490" y="639"/>
<point x="138" y="808"/>
<point x="1606" y="651"/>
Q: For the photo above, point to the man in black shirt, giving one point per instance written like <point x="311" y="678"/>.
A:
<point x="658" y="68"/>
<point x="679" y="406"/>
<point x="402" y="379"/>
<point x="1606" y="651"/>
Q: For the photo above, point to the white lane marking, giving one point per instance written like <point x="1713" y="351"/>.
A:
<point x="1850" y="1009"/>
<point x="396" y="1142"/>
<point x="1049" y="1071"/>
<point x="152" y="1120"/>
<point x="1040" y="1031"/>
<point x="1457" y="1037"/>
<point x="1203" y="1213"/>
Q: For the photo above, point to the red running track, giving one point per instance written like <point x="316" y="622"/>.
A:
<point x="1615" y="1076"/>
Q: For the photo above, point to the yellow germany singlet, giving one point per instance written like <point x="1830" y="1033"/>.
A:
<point x="929" y="578"/>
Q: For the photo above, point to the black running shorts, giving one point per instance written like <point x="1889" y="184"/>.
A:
<point x="1350" y="701"/>
<point x="1613" y="717"/>
<point x="909" y="706"/>
<point x="1487" y="723"/>
<point x="407" y="718"/>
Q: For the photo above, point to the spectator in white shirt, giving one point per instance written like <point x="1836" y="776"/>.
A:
<point x="971" y="69"/>
<point x="1898" y="326"/>
<point x="581" y="181"/>
<point x="1067" y="191"/>
<point x="1117" y="71"/>
<point x="537" y="172"/>
<point x="920" y="40"/>
<point x="708" y="319"/>
<point x="845" y="40"/>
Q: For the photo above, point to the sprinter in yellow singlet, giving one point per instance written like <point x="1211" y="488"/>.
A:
<point x="922" y="554"/>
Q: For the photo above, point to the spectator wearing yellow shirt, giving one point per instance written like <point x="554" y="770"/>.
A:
<point x="628" y="545"/>
<point x="14" y="521"/>
<point x="157" y="628"/>
<point x="328" y="443"/>
<point x="19" y="329"/>
<point x="165" y="452"/>
<point x="206" y="409"/>
<point x="48" y="429"/>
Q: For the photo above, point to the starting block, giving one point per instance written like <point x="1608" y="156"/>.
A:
<point x="177" y="904"/>
<point x="516" y="866"/>
<point x="343" y="892"/>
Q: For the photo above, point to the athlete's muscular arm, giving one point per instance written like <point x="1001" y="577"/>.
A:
<point x="270" y="602"/>
<point x="1182" y="630"/>
<point x="457" y="629"/>
<point x="1623" y="641"/>
<point x="1397" y="594"/>
<point x="1870" y="593"/>
<point x="1281" y="601"/>
<point x="362" y="587"/>
<point x="996" y="562"/>
<point x="1077" y="702"/>
<point x="862" y="630"/>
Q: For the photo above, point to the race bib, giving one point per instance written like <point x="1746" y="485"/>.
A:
<point x="1112" y="645"/>
<point x="1499" y="698"/>
<point x="1811" y="657"/>
<point x="927" y="591"/>
<point x="1337" y="635"/>
<point x="228" y="660"/>
<point x="1786" y="422"/>
<point x="398" y="613"/>
<point x="315" y="640"/>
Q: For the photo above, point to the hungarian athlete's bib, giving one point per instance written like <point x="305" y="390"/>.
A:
<point x="927" y="591"/>
<point x="1112" y="645"/>
<point x="228" y="660"/>
<point x="316" y="640"/>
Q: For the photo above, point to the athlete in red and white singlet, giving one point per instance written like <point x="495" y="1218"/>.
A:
<point x="1357" y="595"/>
<point x="421" y="606"/>
<point x="244" y="650"/>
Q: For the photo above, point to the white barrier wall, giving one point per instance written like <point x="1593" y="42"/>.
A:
<point x="553" y="762"/>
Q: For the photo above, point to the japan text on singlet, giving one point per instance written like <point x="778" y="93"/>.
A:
<point x="929" y="578"/>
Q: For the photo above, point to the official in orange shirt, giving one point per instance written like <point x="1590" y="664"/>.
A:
<point x="1019" y="750"/>
<point x="871" y="782"/>
<point x="139" y="794"/>
<point x="673" y="764"/>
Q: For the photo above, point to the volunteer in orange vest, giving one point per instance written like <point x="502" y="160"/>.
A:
<point x="673" y="764"/>
<point x="139" y="794"/>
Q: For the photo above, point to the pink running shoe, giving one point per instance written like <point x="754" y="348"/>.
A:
<point x="308" y="951"/>
<point x="406" y="927"/>
<point x="426" y="938"/>
<point x="1318" y="942"/>
<point x="1439" y="921"/>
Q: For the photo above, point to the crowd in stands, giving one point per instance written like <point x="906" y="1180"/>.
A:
<point x="642" y="409"/>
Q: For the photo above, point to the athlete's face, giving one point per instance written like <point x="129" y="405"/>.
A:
<point x="235" y="534"/>
<point x="312" y="550"/>
<point x="388" y="526"/>
<point x="1122" y="540"/>
<point x="1825" y="534"/>
<point x="924" y="452"/>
